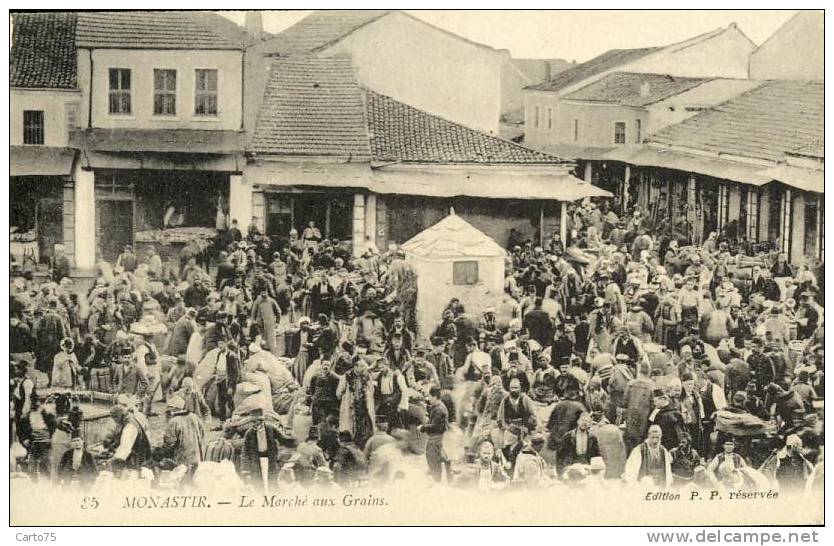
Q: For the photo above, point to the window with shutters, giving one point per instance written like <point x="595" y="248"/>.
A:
<point x="575" y="129"/>
<point x="164" y="92"/>
<point x="549" y="119"/>
<point x="638" y="131"/>
<point x="33" y="127"/>
<point x="464" y="273"/>
<point x="205" y="92"/>
<point x="619" y="132"/>
<point x="536" y="118"/>
<point x="120" y="103"/>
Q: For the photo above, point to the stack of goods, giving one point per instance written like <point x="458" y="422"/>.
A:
<point x="16" y="236"/>
<point x="202" y="235"/>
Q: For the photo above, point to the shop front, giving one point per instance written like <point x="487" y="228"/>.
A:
<point x="165" y="188"/>
<point x="164" y="208"/>
<point x="40" y="203"/>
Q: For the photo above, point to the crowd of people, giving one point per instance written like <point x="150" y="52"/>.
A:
<point x="627" y="355"/>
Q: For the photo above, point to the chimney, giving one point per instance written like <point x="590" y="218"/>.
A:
<point x="547" y="71"/>
<point x="645" y="89"/>
<point x="255" y="24"/>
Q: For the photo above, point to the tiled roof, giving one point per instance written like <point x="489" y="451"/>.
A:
<point x="312" y="106"/>
<point x="764" y="123"/>
<point x="401" y="133"/>
<point x="607" y="61"/>
<point x="43" y="51"/>
<point x="151" y="29"/>
<point x="634" y="89"/>
<point x="319" y="29"/>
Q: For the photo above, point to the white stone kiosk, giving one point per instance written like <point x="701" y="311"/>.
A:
<point x="452" y="259"/>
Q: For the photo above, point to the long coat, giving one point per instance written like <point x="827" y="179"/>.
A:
<point x="611" y="448"/>
<point x="180" y="336"/>
<point x="359" y="421"/>
<point x="638" y="406"/>
<point x="267" y="314"/>
<point x="184" y="439"/>
<point x="50" y="330"/>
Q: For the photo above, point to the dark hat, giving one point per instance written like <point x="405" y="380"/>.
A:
<point x="203" y="315"/>
<point x="739" y="398"/>
<point x="313" y="433"/>
<point x="436" y="341"/>
<point x="687" y="376"/>
<point x="127" y="350"/>
<point x="658" y="393"/>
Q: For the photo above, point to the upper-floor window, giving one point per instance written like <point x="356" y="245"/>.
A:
<point x="33" y="126"/>
<point x="536" y="119"/>
<point x="575" y="128"/>
<point x="120" y="91"/>
<point x="638" y="131"/>
<point x="549" y="119"/>
<point x="205" y="92"/>
<point x="164" y="92"/>
<point x="619" y="132"/>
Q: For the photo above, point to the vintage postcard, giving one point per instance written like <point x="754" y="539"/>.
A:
<point x="403" y="267"/>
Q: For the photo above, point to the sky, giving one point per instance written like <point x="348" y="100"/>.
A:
<point x="565" y="34"/>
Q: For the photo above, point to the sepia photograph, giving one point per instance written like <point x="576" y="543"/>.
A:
<point x="395" y="267"/>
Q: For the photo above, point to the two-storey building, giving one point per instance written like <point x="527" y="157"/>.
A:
<point x="614" y="108"/>
<point x="414" y="61"/>
<point x="44" y="106"/>
<point x="160" y="126"/>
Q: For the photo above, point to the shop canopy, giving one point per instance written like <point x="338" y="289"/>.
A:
<point x="40" y="161"/>
<point x="714" y="167"/>
<point x="188" y="141"/>
<point x="431" y="181"/>
<point x="803" y="179"/>
<point x="478" y="183"/>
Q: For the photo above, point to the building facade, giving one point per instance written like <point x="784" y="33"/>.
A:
<point x="44" y="106"/>
<point x="794" y="52"/>
<point x="415" y="62"/>
<point x="751" y="167"/>
<point x="366" y="167"/>
<point x="550" y="124"/>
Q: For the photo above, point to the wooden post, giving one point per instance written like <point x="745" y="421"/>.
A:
<point x="588" y="172"/>
<point x="818" y="246"/>
<point x="563" y="222"/>
<point x="327" y="219"/>
<point x="626" y="178"/>
<point x="358" y="224"/>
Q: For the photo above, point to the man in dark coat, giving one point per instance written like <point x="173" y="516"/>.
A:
<point x="668" y="419"/>
<point x="538" y="322"/>
<point x="578" y="446"/>
<point x="563" y="418"/>
<point x="438" y="423"/>
<point x="181" y="333"/>
<point x="49" y="332"/>
<point x="225" y="271"/>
